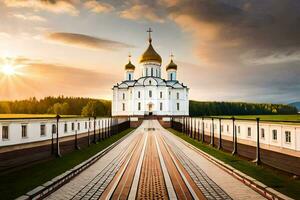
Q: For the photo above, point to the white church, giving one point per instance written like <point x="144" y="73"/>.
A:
<point x="150" y="94"/>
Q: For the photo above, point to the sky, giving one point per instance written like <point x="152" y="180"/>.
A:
<point x="226" y="50"/>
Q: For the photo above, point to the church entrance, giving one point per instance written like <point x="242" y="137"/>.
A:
<point x="150" y="106"/>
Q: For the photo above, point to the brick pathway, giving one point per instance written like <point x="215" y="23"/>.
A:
<point x="153" y="164"/>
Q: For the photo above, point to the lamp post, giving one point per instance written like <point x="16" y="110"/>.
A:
<point x="257" y="161"/>
<point x="212" y="142"/>
<point x="202" y="130"/>
<point x="89" y="142"/>
<point x="95" y="130"/>
<point x="234" y="139"/>
<point x="220" y="134"/>
<point x="76" y="138"/>
<point x="57" y="136"/>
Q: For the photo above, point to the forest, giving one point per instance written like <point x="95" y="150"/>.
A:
<point x="99" y="107"/>
<point x="201" y="108"/>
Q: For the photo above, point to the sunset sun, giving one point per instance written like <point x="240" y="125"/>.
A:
<point x="8" y="70"/>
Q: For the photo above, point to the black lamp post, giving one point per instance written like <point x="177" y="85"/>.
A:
<point x="89" y="142"/>
<point x="95" y="130"/>
<point x="57" y="136"/>
<point x="212" y="142"/>
<point x="202" y="130"/>
<point x="76" y="138"/>
<point x="234" y="139"/>
<point x="220" y="134"/>
<point x="257" y="161"/>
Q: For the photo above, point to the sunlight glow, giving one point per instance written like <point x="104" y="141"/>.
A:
<point x="8" y="70"/>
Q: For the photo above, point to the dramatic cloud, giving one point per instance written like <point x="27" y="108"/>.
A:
<point x="86" y="41"/>
<point x="98" y="7"/>
<point x="30" y="17"/>
<point x="56" y="6"/>
<point x="241" y="30"/>
<point x="141" y="11"/>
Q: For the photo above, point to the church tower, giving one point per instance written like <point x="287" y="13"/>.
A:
<point x="129" y="70"/>
<point x="151" y="60"/>
<point x="172" y="70"/>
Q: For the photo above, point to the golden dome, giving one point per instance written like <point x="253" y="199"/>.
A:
<point x="129" y="66"/>
<point x="171" y="65"/>
<point x="150" y="55"/>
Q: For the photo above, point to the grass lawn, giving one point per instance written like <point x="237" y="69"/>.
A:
<point x="267" y="117"/>
<point x="270" y="177"/>
<point x="17" y="183"/>
<point x="17" y="116"/>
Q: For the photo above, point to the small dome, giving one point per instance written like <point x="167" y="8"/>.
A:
<point x="129" y="66"/>
<point x="171" y="65"/>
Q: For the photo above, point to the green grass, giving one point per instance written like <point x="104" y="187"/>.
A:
<point x="271" y="177"/>
<point x="267" y="117"/>
<point x="18" y="116"/>
<point x="19" y="182"/>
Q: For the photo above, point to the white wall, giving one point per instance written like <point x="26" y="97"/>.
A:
<point x="34" y="129"/>
<point x="242" y="136"/>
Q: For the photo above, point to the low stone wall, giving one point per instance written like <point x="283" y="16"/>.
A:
<point x="13" y="157"/>
<point x="284" y="162"/>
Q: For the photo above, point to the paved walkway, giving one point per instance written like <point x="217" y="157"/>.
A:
<point x="153" y="164"/>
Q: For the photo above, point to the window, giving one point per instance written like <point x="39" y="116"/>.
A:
<point x="5" y="132"/>
<point x="78" y="126"/>
<point x="178" y="106"/>
<point x="90" y="125"/>
<point x="139" y="106"/>
<point x="66" y="127"/>
<point x="177" y="95"/>
<point x="239" y="129"/>
<point x="171" y="77"/>
<point x="222" y="127"/>
<point x="274" y="134"/>
<point x="150" y="82"/>
<point x="288" y="136"/>
<point x="24" y="131"/>
<point x="123" y="96"/>
<point x="160" y="94"/>
<point x="73" y="126"/>
<point x="161" y="106"/>
<point x="249" y="131"/>
<point x="227" y="128"/>
<point x="139" y="94"/>
<point x="129" y="77"/>
<point x="85" y="125"/>
<point x="123" y="106"/>
<point x="151" y="71"/>
<point x="43" y="129"/>
<point x="53" y="129"/>
<point x="150" y="93"/>
<point x="262" y="133"/>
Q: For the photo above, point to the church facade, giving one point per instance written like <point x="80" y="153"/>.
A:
<point x="150" y="94"/>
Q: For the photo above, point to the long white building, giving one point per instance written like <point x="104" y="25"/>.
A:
<point x="150" y="94"/>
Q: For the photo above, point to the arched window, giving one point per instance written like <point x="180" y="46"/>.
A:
<point x="150" y="93"/>
<point x="171" y="76"/>
<point x="129" y="77"/>
<point x="150" y="82"/>
<point x="161" y="106"/>
<point x="53" y="129"/>
<point x="123" y="95"/>
<point x="151" y="71"/>
<point x="177" y="95"/>
<point x="139" y="94"/>
<point x="139" y="106"/>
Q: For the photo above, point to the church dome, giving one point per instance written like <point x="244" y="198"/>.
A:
<point x="171" y="65"/>
<point x="150" y="54"/>
<point x="129" y="66"/>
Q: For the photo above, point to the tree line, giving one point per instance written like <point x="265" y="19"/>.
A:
<point x="199" y="108"/>
<point x="98" y="107"/>
<point x="58" y="105"/>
